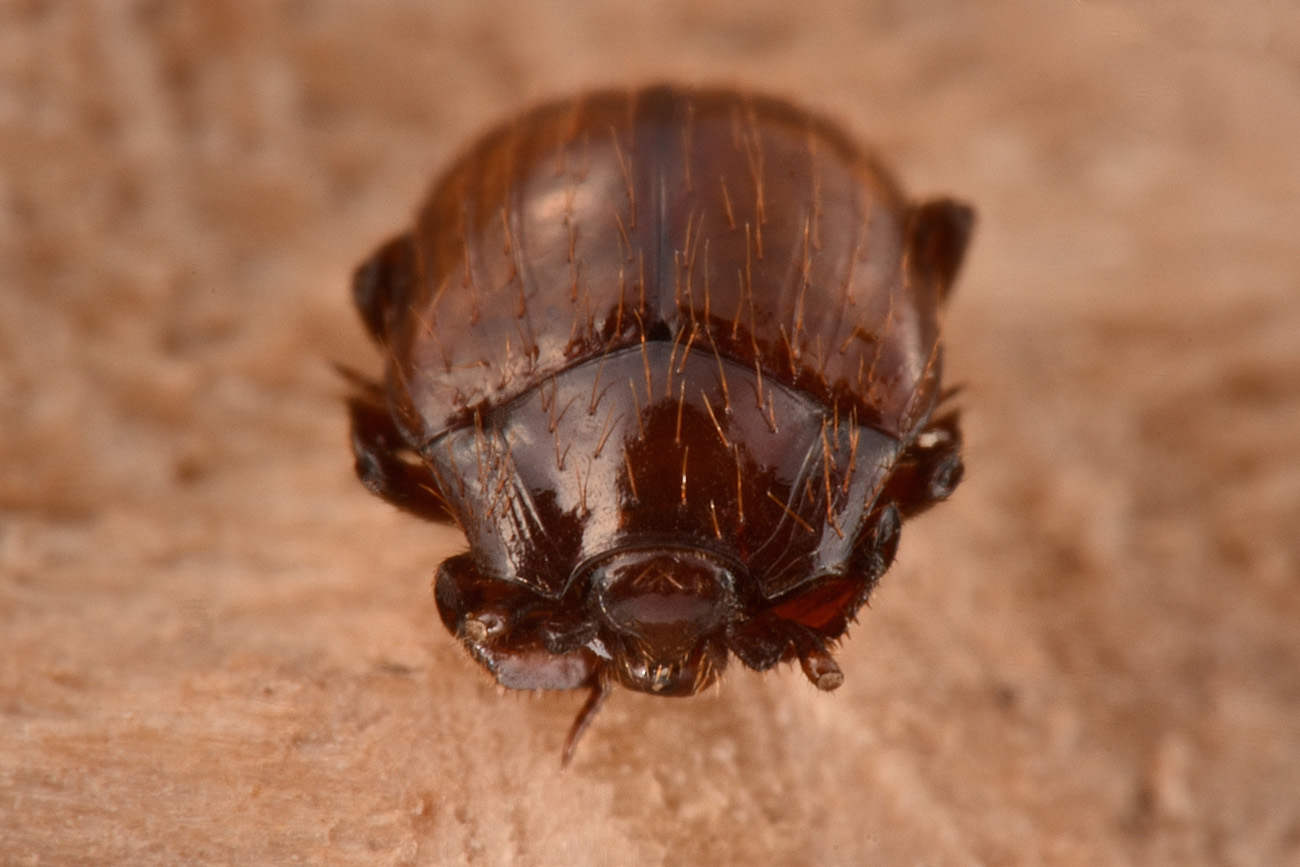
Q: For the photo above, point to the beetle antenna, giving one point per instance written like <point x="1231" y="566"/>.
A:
<point x="600" y="691"/>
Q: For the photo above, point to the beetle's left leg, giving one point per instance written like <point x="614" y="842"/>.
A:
<point x="929" y="470"/>
<point x="383" y="283"/>
<point x="386" y="466"/>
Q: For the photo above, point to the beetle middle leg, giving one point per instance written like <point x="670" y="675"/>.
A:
<point x="386" y="466"/>
<point x="929" y="470"/>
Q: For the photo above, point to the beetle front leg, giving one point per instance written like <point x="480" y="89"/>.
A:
<point x="382" y="465"/>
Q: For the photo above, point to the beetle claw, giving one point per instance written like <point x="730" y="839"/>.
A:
<point x="600" y="691"/>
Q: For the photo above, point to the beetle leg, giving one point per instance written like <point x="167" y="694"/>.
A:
<point x="600" y="691"/>
<point x="381" y="284"/>
<point x="937" y="238"/>
<point x="929" y="470"/>
<point x="777" y="639"/>
<point x="817" y="663"/>
<point x="381" y="467"/>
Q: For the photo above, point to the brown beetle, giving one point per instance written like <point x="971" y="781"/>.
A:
<point x="670" y="359"/>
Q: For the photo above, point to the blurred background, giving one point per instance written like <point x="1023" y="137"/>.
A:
<point x="216" y="647"/>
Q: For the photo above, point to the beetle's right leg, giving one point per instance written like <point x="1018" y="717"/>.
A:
<point x="383" y="283"/>
<point x="938" y="235"/>
<point x="388" y="468"/>
<point x="929" y="470"/>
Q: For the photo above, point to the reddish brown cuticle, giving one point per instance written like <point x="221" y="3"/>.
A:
<point x="671" y="359"/>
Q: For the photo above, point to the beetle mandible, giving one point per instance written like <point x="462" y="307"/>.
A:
<point x="670" y="358"/>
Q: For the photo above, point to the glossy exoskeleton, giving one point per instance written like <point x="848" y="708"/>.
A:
<point x="670" y="358"/>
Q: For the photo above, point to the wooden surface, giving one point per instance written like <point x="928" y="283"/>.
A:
<point x="216" y="648"/>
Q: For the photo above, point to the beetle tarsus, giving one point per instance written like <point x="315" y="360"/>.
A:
<point x="600" y="691"/>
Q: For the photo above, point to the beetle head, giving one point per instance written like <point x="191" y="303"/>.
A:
<point x="663" y="612"/>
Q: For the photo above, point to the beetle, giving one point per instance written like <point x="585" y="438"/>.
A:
<point x="670" y="358"/>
